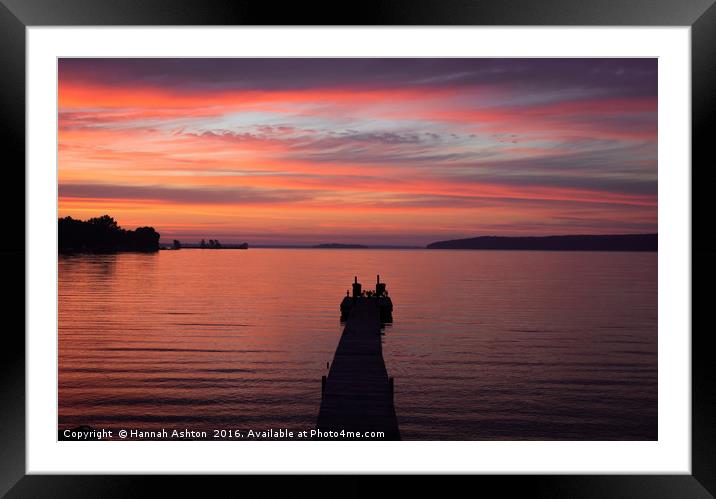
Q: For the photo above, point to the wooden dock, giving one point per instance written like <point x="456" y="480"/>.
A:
<point x="357" y="394"/>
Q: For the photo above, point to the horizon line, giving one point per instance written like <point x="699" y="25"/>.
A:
<point x="355" y="245"/>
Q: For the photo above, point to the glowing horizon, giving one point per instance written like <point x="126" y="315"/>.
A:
<point x="370" y="151"/>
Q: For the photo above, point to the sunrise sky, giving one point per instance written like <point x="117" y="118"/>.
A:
<point x="373" y="151"/>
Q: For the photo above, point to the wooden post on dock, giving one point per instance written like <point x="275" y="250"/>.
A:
<point x="356" y="288"/>
<point x="323" y="385"/>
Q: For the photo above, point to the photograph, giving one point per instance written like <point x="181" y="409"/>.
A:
<point x="464" y="233"/>
<point x="357" y="248"/>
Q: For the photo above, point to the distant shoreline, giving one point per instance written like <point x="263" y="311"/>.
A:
<point x="419" y="248"/>
<point x="103" y="235"/>
<point x="611" y="242"/>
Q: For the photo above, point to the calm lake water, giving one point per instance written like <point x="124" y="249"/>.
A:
<point x="484" y="345"/>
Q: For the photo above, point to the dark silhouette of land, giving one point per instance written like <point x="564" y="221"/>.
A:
<point x="103" y="235"/>
<point x="354" y="246"/>
<point x="618" y="242"/>
<point x="214" y="244"/>
<point x="339" y="246"/>
<point x="357" y="394"/>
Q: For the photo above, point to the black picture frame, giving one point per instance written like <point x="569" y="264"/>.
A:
<point x="700" y="15"/>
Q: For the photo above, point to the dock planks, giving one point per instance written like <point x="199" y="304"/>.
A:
<point x="357" y="395"/>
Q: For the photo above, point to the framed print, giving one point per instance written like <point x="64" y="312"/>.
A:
<point x="420" y="239"/>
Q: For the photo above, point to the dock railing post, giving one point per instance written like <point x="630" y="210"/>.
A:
<point x="356" y="288"/>
<point x="323" y="385"/>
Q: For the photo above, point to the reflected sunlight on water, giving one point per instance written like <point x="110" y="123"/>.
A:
<point x="485" y="344"/>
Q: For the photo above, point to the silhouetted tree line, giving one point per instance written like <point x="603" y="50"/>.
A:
<point x="212" y="244"/>
<point x="102" y="234"/>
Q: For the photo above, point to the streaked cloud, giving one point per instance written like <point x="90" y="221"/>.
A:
<point x="368" y="150"/>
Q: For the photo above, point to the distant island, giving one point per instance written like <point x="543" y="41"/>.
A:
<point x="103" y="235"/>
<point x="204" y="244"/>
<point x="618" y="242"/>
<point x="358" y="246"/>
<point x="339" y="246"/>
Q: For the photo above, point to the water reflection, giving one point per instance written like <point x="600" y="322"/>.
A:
<point x="513" y="345"/>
